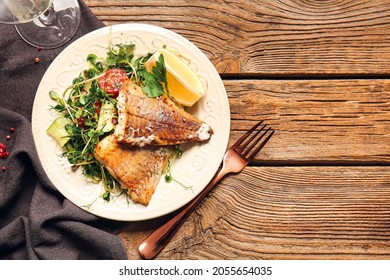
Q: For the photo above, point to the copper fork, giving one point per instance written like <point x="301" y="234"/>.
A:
<point x="234" y="161"/>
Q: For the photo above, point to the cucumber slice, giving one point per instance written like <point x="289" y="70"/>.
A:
<point x="58" y="132"/>
<point x="107" y="113"/>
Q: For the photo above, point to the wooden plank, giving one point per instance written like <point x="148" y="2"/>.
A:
<point x="285" y="213"/>
<point x="271" y="37"/>
<point x="321" y="121"/>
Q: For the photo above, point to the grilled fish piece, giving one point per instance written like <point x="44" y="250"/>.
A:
<point x="155" y="121"/>
<point x="137" y="169"/>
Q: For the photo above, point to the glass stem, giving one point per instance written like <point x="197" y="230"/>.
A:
<point x="49" y="16"/>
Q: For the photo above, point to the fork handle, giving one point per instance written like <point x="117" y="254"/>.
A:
<point x="157" y="240"/>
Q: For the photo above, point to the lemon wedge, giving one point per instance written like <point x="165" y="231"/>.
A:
<point x="183" y="84"/>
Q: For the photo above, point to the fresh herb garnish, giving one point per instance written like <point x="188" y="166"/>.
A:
<point x="156" y="82"/>
<point x="152" y="87"/>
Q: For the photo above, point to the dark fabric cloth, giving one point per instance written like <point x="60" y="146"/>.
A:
<point x="36" y="221"/>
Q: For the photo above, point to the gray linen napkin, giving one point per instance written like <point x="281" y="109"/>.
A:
<point x="36" y="221"/>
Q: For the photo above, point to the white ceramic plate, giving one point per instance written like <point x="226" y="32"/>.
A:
<point x="197" y="165"/>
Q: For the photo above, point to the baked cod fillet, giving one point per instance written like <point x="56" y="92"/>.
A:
<point x="137" y="169"/>
<point x="155" y="121"/>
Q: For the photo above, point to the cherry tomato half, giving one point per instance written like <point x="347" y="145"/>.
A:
<point x="112" y="81"/>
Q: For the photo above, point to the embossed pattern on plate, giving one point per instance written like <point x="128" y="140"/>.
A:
<point x="199" y="161"/>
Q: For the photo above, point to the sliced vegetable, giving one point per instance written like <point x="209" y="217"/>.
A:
<point x="57" y="130"/>
<point x="111" y="82"/>
<point x="107" y="114"/>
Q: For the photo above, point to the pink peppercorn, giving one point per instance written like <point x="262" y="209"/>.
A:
<point x="4" y="168"/>
<point x="3" y="151"/>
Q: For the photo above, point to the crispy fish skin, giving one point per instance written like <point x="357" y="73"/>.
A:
<point x="137" y="169"/>
<point x="155" y="121"/>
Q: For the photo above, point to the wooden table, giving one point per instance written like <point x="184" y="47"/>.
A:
<point x="318" y="72"/>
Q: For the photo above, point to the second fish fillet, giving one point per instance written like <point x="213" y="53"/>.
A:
<point x="138" y="170"/>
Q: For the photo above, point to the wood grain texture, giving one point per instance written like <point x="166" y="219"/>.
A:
<point x="316" y="121"/>
<point x="315" y="71"/>
<point x="287" y="37"/>
<point x="285" y="213"/>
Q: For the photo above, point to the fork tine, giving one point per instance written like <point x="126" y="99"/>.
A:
<point x="257" y="150"/>
<point x="243" y="137"/>
<point x="248" y="141"/>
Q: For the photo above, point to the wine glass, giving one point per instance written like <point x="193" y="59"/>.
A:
<point x="45" y="24"/>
